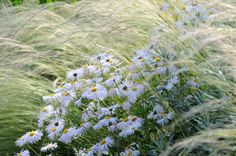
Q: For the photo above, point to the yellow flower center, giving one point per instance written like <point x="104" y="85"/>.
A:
<point x="107" y="117"/>
<point x="157" y="59"/>
<point x="44" y="109"/>
<point x="66" y="93"/>
<point x="85" y="66"/>
<point x="133" y="118"/>
<point x="52" y="94"/>
<point x="130" y="153"/>
<point x="183" y="7"/>
<point x="54" y="129"/>
<point x="162" y="113"/>
<point x="62" y="86"/>
<point x="142" y="60"/>
<point x="103" y="142"/>
<point x="134" y="88"/>
<point x="72" y="82"/>
<point x="65" y="131"/>
<point x="125" y="119"/>
<point x="94" y="89"/>
<point x="19" y="154"/>
<point x="90" y="148"/>
<point x="32" y="133"/>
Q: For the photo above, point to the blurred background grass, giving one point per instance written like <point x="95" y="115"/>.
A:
<point x="40" y="43"/>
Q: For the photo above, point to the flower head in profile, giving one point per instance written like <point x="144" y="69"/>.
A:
<point x="82" y="129"/>
<point x="68" y="135"/>
<point x="23" y="153"/>
<point x="104" y="145"/>
<point x="114" y="80"/>
<point x="129" y="125"/>
<point x="67" y="96"/>
<point x="160" y="116"/>
<point x="29" y="138"/>
<point x="52" y="97"/>
<point x="130" y="152"/>
<point x="20" y="141"/>
<point x="48" y="147"/>
<point x="107" y="111"/>
<point x="106" y="121"/>
<point x="46" y="112"/>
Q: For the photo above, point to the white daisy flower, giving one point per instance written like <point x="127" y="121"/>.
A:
<point x="127" y="131"/>
<point x="160" y="116"/>
<point x="81" y="152"/>
<point x="104" y="145"/>
<point x="127" y="105"/>
<point x="75" y="74"/>
<point x="130" y="90"/>
<point x="89" y="112"/>
<point x="158" y="109"/>
<point x="141" y="58"/>
<point x="23" y="153"/>
<point x="114" y="80"/>
<point x="67" y="97"/>
<point x="109" y="61"/>
<point x="166" y="118"/>
<point x="46" y="112"/>
<point x="171" y="82"/>
<point x="92" y="150"/>
<point x="20" y="141"/>
<point x="130" y="121"/>
<point x="67" y="135"/>
<point x="55" y="127"/>
<point x="105" y="60"/>
<point x="108" y="111"/>
<point x="113" y="127"/>
<point x="129" y="125"/>
<point x="98" y="92"/>
<point x="105" y="122"/>
<point x="48" y="147"/>
<point x="51" y="98"/>
<point x="90" y="69"/>
<point x="60" y="89"/>
<point x="83" y="127"/>
<point x="74" y="84"/>
<point x="130" y="152"/>
<point x="31" y="137"/>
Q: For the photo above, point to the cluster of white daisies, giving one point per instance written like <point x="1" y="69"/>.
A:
<point x="105" y="96"/>
<point x="89" y="89"/>
<point x="191" y="13"/>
